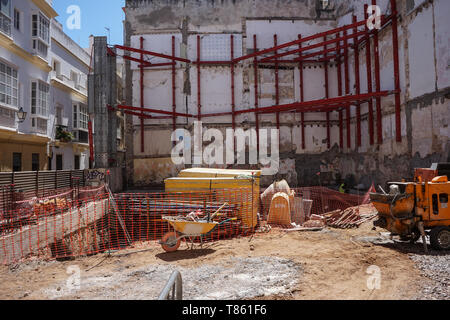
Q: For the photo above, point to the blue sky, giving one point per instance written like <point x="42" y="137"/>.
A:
<point x="95" y="16"/>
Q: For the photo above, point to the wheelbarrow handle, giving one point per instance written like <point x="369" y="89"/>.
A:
<point x="228" y="220"/>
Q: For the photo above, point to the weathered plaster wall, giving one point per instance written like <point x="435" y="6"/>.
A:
<point x="424" y="79"/>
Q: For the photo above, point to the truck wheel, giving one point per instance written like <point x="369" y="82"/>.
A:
<point x="440" y="238"/>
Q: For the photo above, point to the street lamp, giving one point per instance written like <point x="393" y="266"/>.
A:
<point x="21" y="115"/>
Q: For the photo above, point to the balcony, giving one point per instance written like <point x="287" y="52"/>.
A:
<point x="66" y="83"/>
<point x="81" y="136"/>
<point x="63" y="134"/>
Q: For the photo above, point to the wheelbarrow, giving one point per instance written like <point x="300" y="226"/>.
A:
<point x="184" y="228"/>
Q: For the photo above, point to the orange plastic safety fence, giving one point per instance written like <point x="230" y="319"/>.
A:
<point x="54" y="227"/>
<point x="315" y="200"/>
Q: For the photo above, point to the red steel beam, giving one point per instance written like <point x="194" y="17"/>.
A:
<point x="148" y="110"/>
<point x="296" y="42"/>
<point x="347" y="91"/>
<point x="327" y="95"/>
<point x="255" y="69"/>
<point x="145" y="63"/>
<point x="357" y="85"/>
<point x="174" y="98"/>
<point x="369" y="77"/>
<point x="302" y="96"/>
<point x="277" y="93"/>
<point x="313" y="46"/>
<point x="219" y="62"/>
<point x="313" y="103"/>
<point x="377" y="83"/>
<point x="146" y="116"/>
<point x="151" y="53"/>
<point x="199" y="96"/>
<point x="329" y="58"/>
<point x="398" y="122"/>
<point x="91" y="145"/>
<point x="168" y="64"/>
<point x="321" y="105"/>
<point x="141" y="85"/>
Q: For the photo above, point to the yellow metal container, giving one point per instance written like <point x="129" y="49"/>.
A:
<point x="229" y="189"/>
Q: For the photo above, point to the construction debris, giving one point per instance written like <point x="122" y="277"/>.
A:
<point x="350" y="217"/>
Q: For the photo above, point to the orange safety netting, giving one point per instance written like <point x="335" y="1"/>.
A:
<point x="95" y="223"/>
<point x="315" y="201"/>
<point x="65" y="225"/>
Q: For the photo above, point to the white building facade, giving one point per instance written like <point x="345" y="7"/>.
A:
<point x="43" y="73"/>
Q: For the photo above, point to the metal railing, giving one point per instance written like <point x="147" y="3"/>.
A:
<point x="173" y="289"/>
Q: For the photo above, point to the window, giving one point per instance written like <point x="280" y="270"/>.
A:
<point x="5" y="16"/>
<point x="77" y="162"/>
<point x="435" y="204"/>
<point x="57" y="67"/>
<point x="59" y="162"/>
<point x="40" y="48"/>
<point x="443" y="199"/>
<point x="40" y="98"/>
<point x="59" y="113"/>
<point x="75" y="116"/>
<point x="17" y="161"/>
<point x="35" y="162"/>
<point x="74" y="78"/>
<point x="80" y="117"/>
<point x="39" y="125"/>
<point x="40" y="30"/>
<point x="9" y="85"/>
<point x="17" y="19"/>
<point x="40" y="27"/>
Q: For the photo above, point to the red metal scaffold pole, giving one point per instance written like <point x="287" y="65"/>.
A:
<point x="339" y="76"/>
<point x="398" y="122"/>
<point x="142" y="96"/>
<point x="255" y="68"/>
<point x="327" y="95"/>
<point x="357" y="85"/>
<point x="174" y="98"/>
<point x="199" y="95"/>
<point x="377" y="83"/>
<point x="369" y="77"/>
<point x="277" y="93"/>
<point x="302" y="96"/>
<point x="347" y="92"/>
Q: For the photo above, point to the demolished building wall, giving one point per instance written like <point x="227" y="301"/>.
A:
<point x="423" y="80"/>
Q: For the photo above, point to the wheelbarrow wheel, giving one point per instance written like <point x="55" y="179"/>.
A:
<point x="170" y="242"/>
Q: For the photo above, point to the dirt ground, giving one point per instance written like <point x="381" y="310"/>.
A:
<point x="331" y="264"/>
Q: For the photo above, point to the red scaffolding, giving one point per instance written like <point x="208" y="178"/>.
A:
<point x="331" y="46"/>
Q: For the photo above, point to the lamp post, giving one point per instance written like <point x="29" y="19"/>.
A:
<point x="21" y="115"/>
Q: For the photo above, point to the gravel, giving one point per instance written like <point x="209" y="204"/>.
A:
<point x="437" y="269"/>
<point x="234" y="279"/>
